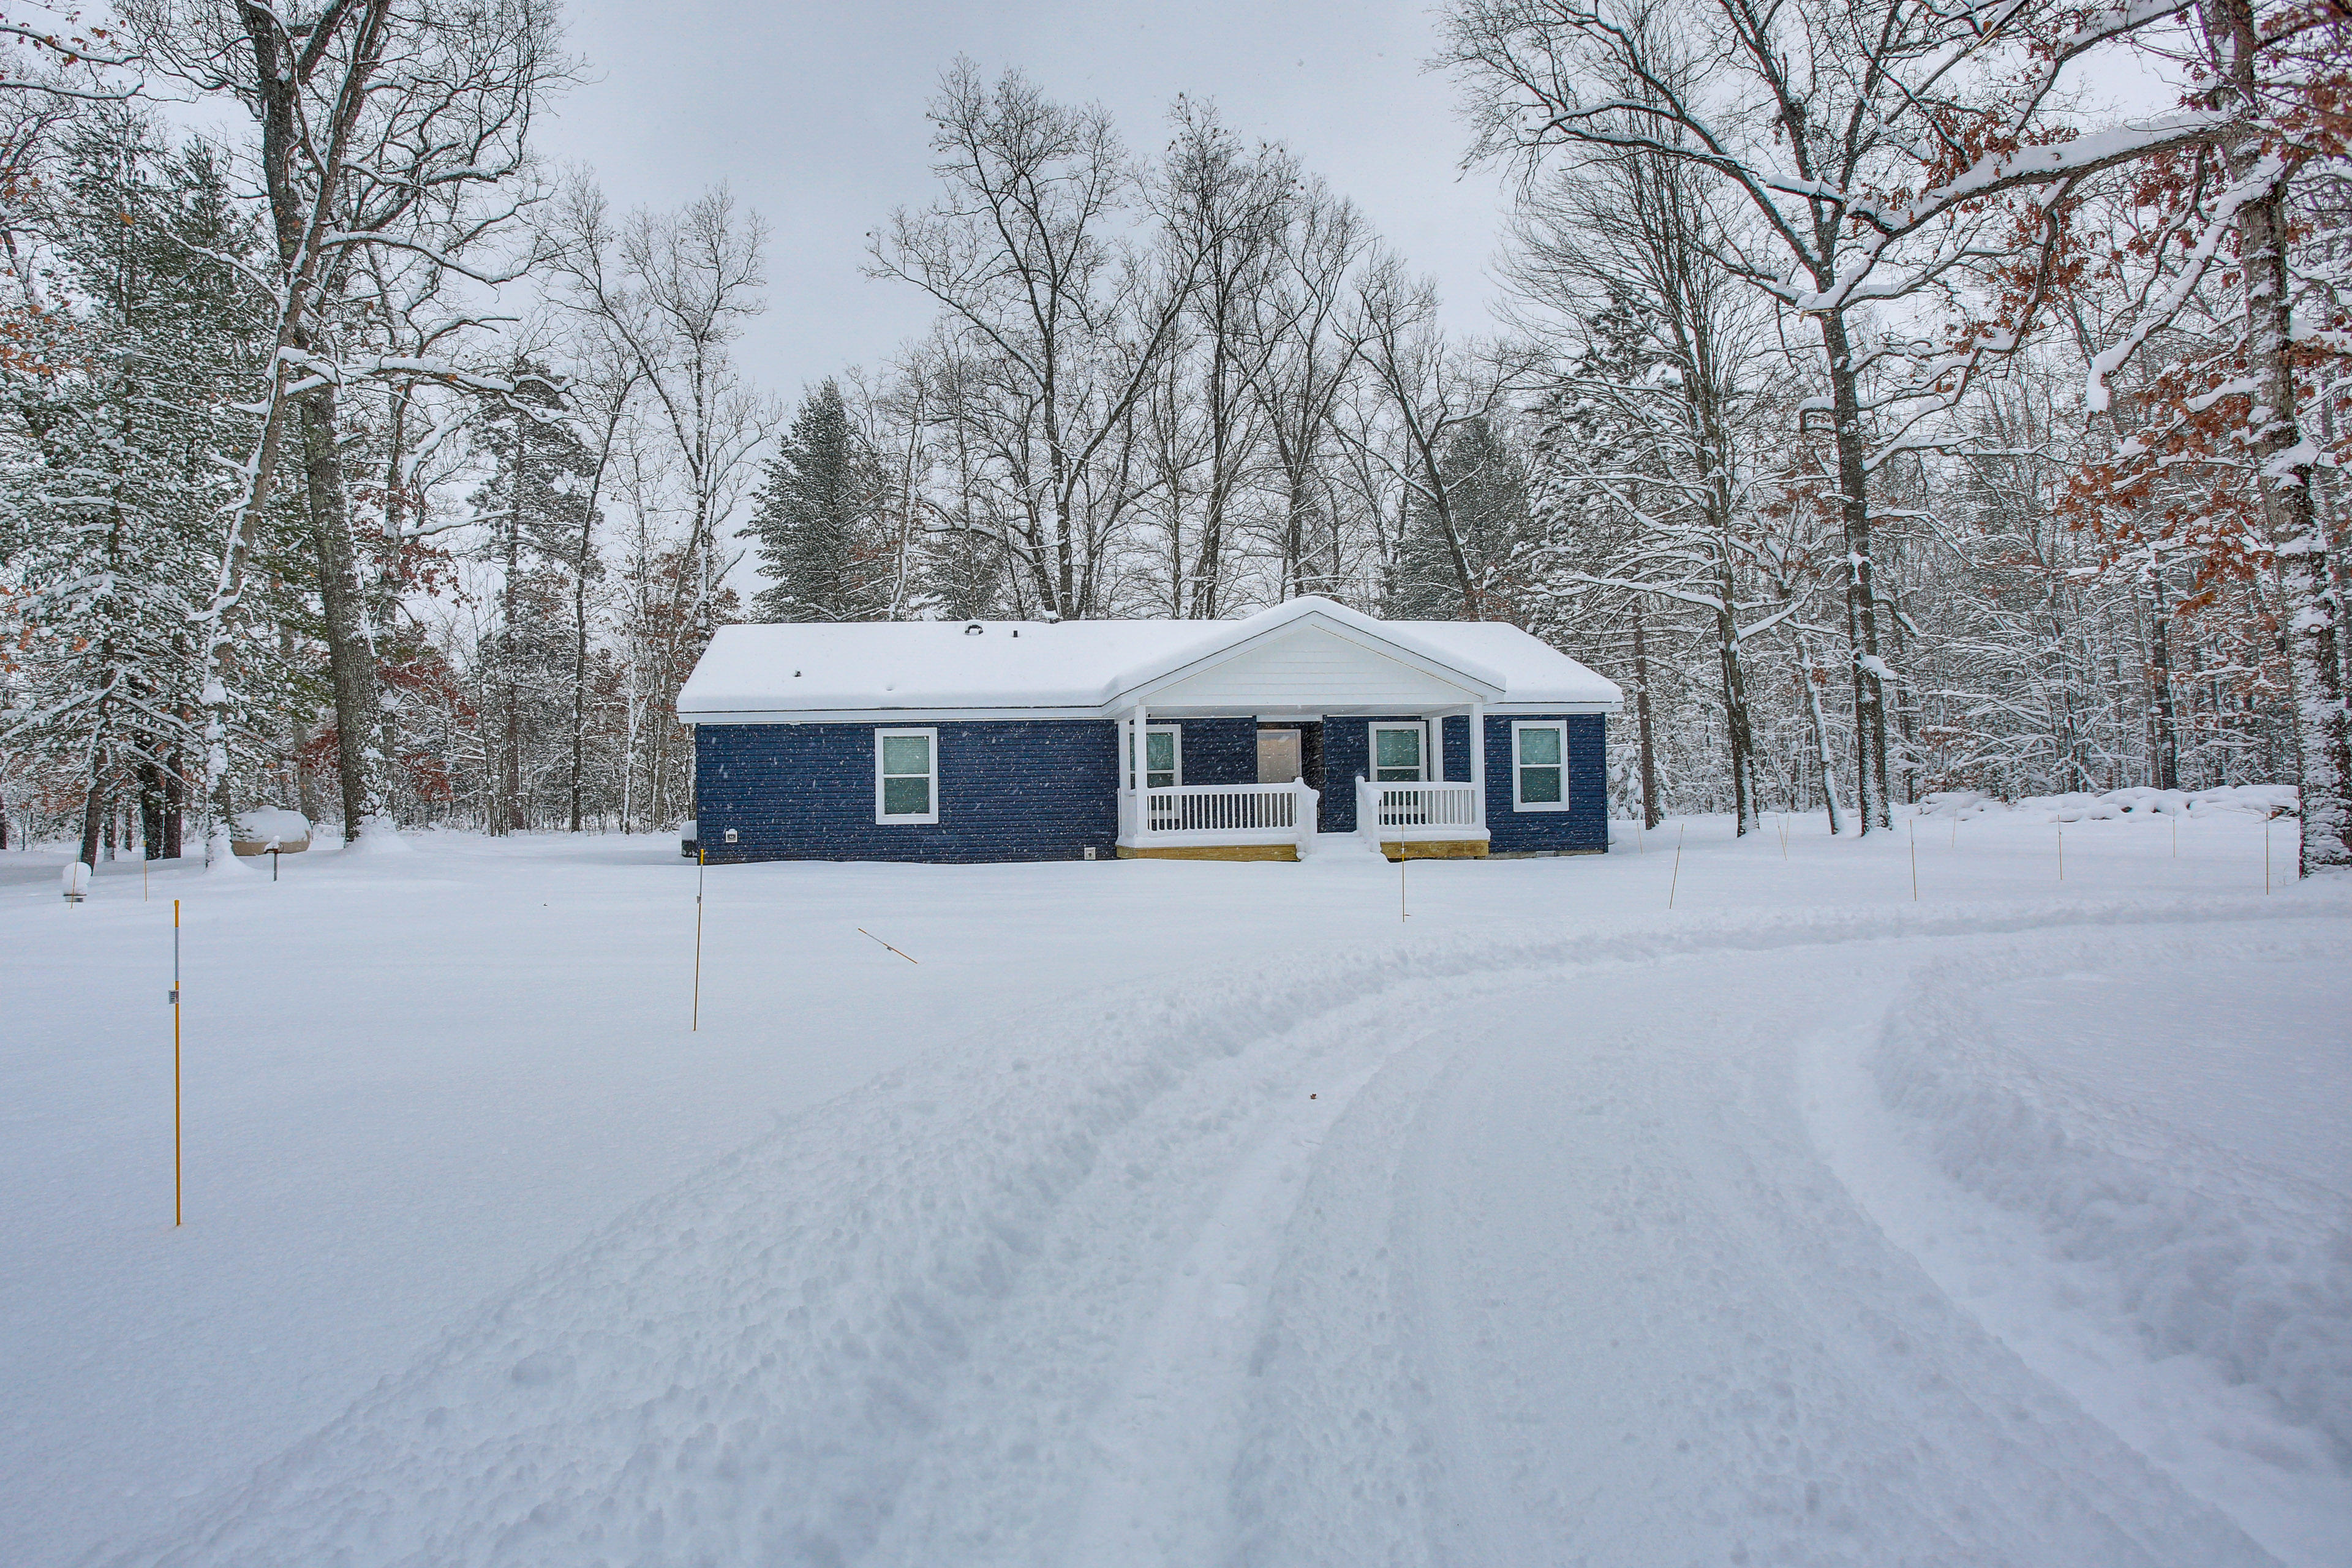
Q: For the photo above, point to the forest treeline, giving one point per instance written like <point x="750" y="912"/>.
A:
<point x="1881" y="411"/>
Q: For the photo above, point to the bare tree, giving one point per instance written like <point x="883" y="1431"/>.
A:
<point x="1890" y="162"/>
<point x="377" y="127"/>
<point x="1433" y="390"/>
<point x="1064" y="322"/>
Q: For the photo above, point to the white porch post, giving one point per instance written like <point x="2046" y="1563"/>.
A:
<point x="1141" y="756"/>
<point x="1478" y="761"/>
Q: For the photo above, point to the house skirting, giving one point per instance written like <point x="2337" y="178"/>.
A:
<point x="1435" y="849"/>
<point x="1211" y="852"/>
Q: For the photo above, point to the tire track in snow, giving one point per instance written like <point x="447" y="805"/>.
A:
<point x="755" y="1366"/>
<point x="1667" y="1336"/>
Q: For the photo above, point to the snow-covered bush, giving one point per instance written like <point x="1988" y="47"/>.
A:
<point x="2117" y="805"/>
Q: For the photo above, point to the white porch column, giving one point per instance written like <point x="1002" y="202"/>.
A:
<point x="1478" y="761"/>
<point x="1142" y="757"/>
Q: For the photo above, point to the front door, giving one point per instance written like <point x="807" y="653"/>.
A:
<point x="1278" y="756"/>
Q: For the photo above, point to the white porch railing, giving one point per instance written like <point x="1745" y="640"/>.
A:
<point x="1416" y="806"/>
<point x="1281" y="813"/>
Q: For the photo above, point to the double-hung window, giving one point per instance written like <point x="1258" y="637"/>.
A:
<point x="1539" y="765"/>
<point x="905" y="777"/>
<point x="1399" y="753"/>
<point x="1163" y="758"/>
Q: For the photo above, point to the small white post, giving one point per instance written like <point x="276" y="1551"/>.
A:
<point x="1478" y="764"/>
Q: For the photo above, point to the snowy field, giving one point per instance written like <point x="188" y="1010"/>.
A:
<point x="1189" y="1214"/>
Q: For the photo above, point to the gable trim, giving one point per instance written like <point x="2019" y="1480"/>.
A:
<point x="1472" y="686"/>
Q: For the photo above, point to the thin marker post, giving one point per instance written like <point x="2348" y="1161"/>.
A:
<point x="1915" y="860"/>
<point x="176" y="1062"/>
<point x="871" y="937"/>
<point x="699" y="863"/>
<point x="1678" y="881"/>
<point x="2062" y="851"/>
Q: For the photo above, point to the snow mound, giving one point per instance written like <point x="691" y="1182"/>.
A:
<point x="76" y="878"/>
<point x="2117" y="805"/>
<point x="269" y="825"/>
<point x="379" y="835"/>
<point x="2215" y="1254"/>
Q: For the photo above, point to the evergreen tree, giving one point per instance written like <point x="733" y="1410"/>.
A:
<point x="814" y="520"/>
<point x="1486" y="490"/>
<point x="537" y="531"/>
<point x="108" y="490"/>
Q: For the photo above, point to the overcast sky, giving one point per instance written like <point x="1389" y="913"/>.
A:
<point x="814" y="115"/>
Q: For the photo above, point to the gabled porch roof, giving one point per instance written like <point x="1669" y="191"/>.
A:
<point x="1309" y="655"/>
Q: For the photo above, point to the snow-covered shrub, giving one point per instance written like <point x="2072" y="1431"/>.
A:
<point x="2119" y="804"/>
<point x="1964" y="804"/>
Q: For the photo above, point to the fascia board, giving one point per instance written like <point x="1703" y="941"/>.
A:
<point x="885" y="715"/>
<point x="1546" y="708"/>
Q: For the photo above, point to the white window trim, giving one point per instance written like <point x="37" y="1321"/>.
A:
<point x="1175" y="733"/>
<point x="1373" y="749"/>
<point x="904" y="819"/>
<point x="1567" y="796"/>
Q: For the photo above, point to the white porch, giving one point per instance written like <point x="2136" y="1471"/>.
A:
<point x="1401" y="818"/>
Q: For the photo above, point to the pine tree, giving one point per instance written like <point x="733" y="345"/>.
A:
<point x="534" y="509"/>
<point x="814" y="520"/>
<point x="1487" y="488"/>
<point x="110" y="493"/>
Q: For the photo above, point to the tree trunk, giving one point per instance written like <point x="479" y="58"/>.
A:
<point x="1874" y="798"/>
<point x="1822" y="751"/>
<point x="2314" y="657"/>
<point x="1651" y="814"/>
<point x="175" y="805"/>
<point x="93" y="811"/>
<point x="2167" y="730"/>
<point x="351" y="653"/>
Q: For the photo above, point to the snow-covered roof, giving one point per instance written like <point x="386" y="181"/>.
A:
<point x="1309" y="653"/>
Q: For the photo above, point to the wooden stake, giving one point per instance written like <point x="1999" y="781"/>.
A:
<point x="2266" y="855"/>
<point x="701" y="862"/>
<point x="2062" y="851"/>
<point x="1678" y="881"/>
<point x="1402" y="913"/>
<point x="176" y="1062"/>
<point x="1915" y="860"/>
<point x="871" y="937"/>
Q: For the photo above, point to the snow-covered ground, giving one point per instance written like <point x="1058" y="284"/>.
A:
<point x="1171" y="1213"/>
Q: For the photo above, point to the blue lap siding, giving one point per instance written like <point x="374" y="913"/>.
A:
<point x="1047" y="789"/>
<point x="1009" y="790"/>
<point x="1219" y="751"/>
<point x="1584" y="825"/>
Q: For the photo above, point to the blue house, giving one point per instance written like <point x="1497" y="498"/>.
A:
<point x="1245" y="739"/>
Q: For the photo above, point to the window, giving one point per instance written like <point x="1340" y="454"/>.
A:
<point x="1163" y="754"/>
<point x="1397" y="752"/>
<point x="905" y="777"/>
<point x="1540" y="766"/>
